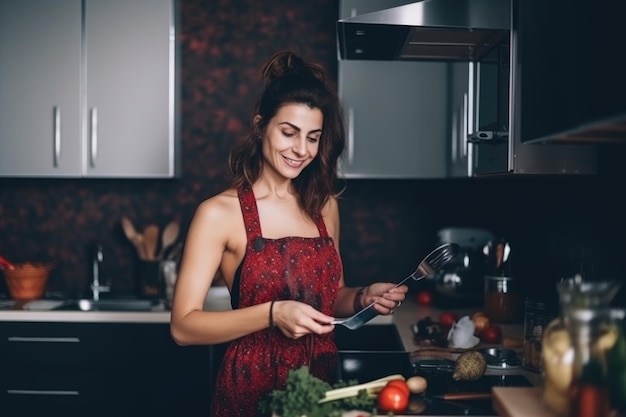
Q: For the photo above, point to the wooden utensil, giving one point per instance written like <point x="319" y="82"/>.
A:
<point x="169" y="236"/>
<point x="151" y="241"/>
<point x="134" y="237"/>
<point x="460" y="396"/>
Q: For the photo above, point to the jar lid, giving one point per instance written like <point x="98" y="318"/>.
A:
<point x="500" y="284"/>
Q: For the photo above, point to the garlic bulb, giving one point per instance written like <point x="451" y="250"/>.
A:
<point x="461" y="334"/>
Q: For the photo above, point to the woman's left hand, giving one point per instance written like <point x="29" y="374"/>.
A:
<point x="386" y="295"/>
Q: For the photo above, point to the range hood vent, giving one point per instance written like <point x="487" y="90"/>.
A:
<point x="609" y="131"/>
<point x="439" y="30"/>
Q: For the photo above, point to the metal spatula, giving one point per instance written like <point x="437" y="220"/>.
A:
<point x="429" y="265"/>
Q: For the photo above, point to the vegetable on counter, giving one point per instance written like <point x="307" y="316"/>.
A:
<point x="305" y="394"/>
<point x="417" y="384"/>
<point x="400" y="384"/>
<point x="424" y="298"/>
<point x="447" y="319"/>
<point x="491" y="333"/>
<point x="393" y="399"/>
<point x="469" y="365"/>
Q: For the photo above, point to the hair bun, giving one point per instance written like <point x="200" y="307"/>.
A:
<point x="286" y="63"/>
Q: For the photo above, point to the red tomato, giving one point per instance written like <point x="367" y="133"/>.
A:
<point x="424" y="298"/>
<point x="447" y="319"/>
<point x="392" y="399"/>
<point x="491" y="333"/>
<point x="400" y="384"/>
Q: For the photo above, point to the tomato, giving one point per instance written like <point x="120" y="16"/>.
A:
<point x="491" y="333"/>
<point x="447" y="319"/>
<point x="424" y="298"/>
<point x="392" y="399"/>
<point x="400" y="384"/>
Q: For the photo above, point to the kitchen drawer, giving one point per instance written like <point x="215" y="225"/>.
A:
<point x="36" y="393"/>
<point x="91" y="346"/>
<point x="152" y="393"/>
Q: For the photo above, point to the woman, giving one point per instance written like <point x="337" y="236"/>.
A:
<point x="274" y="238"/>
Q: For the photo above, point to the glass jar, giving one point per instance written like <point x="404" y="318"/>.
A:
<point x="537" y="315"/>
<point x="593" y="334"/>
<point x="503" y="299"/>
<point x="558" y="351"/>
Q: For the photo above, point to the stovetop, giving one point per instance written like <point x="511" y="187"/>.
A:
<point x="441" y="382"/>
<point x="367" y="366"/>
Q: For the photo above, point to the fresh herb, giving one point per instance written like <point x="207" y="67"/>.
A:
<point x="303" y="392"/>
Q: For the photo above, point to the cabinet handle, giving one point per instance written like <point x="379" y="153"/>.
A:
<point x="56" y="111"/>
<point x="454" y="144"/>
<point x="40" y="392"/>
<point x="464" y="133"/>
<point x="94" y="136"/>
<point x="351" y="135"/>
<point x="43" y="339"/>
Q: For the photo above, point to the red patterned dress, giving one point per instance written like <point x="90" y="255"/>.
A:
<point x="289" y="268"/>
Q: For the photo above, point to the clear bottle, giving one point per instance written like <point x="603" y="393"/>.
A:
<point x="558" y="348"/>
<point x="593" y="333"/>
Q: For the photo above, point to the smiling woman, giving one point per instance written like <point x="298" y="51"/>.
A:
<point x="274" y="237"/>
<point x="292" y="139"/>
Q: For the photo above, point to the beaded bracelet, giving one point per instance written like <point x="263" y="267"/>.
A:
<point x="357" y="305"/>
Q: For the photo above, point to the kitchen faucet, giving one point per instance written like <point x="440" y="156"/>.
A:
<point x="96" y="287"/>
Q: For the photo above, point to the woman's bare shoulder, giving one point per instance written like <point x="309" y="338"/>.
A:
<point x="330" y="214"/>
<point x="331" y="208"/>
<point x="222" y="207"/>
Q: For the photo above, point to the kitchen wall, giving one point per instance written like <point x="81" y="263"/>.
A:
<point x="387" y="225"/>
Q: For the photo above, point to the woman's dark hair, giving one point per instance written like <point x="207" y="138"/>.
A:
<point x="288" y="79"/>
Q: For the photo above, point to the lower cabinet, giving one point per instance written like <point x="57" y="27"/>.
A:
<point x="78" y="369"/>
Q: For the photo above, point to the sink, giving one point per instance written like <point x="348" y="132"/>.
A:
<point x="371" y="337"/>
<point x="122" y="304"/>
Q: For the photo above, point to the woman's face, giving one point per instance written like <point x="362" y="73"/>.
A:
<point x="292" y="138"/>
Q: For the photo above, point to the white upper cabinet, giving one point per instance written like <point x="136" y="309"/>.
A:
<point x="88" y="89"/>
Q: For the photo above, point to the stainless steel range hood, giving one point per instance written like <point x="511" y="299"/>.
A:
<point x="442" y="30"/>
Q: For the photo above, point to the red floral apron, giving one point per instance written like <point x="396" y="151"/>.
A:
<point x="289" y="268"/>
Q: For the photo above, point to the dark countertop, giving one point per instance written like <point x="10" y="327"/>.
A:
<point x="409" y="313"/>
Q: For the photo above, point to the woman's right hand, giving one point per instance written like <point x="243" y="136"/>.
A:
<point x="387" y="296"/>
<point x="296" y="319"/>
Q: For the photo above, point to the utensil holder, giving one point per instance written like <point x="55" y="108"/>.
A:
<point x="150" y="283"/>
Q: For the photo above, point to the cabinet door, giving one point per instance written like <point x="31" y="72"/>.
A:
<point x="130" y="80"/>
<point x="40" y="74"/>
<point x="396" y="119"/>
<point x="396" y="112"/>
